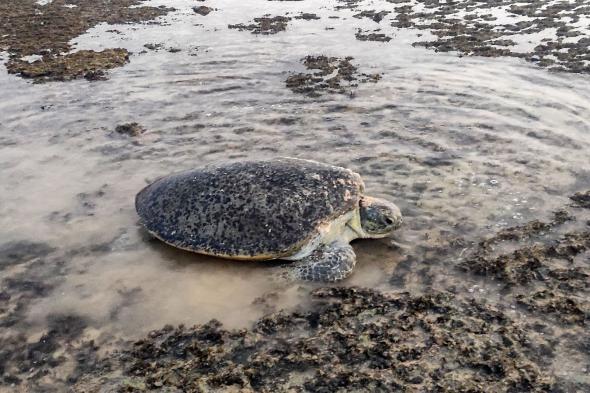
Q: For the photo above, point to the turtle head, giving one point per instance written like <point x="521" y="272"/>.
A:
<point x="379" y="217"/>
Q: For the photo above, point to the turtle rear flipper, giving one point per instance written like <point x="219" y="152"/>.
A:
<point x="332" y="262"/>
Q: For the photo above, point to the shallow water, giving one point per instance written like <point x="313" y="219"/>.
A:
<point x="463" y="145"/>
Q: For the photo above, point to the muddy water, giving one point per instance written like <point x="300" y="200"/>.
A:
<point x="464" y="146"/>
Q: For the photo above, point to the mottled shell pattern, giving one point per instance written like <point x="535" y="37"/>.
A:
<point x="255" y="210"/>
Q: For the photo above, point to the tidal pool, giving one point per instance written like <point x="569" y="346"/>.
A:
<point x="465" y="146"/>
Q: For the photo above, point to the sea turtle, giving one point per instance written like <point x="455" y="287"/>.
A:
<point x="282" y="208"/>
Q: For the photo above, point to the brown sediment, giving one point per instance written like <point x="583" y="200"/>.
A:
<point x="18" y="356"/>
<point x="34" y="364"/>
<point x="330" y="75"/>
<point x="27" y="28"/>
<point x="19" y="287"/>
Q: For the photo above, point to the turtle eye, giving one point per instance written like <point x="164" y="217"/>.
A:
<point x="388" y="221"/>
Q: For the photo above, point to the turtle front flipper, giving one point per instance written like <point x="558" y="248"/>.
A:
<point x="332" y="262"/>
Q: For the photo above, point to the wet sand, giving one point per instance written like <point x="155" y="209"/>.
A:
<point x="485" y="288"/>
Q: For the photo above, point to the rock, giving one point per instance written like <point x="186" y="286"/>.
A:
<point x="202" y="10"/>
<point x="130" y="129"/>
<point x="379" y="37"/>
<point x="328" y="74"/>
<point x="47" y="31"/>
<point x="264" y="25"/>
<point x="307" y="16"/>
<point x="582" y="199"/>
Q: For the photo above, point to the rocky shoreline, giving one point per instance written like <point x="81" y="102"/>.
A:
<point x="553" y="33"/>
<point x="28" y="28"/>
